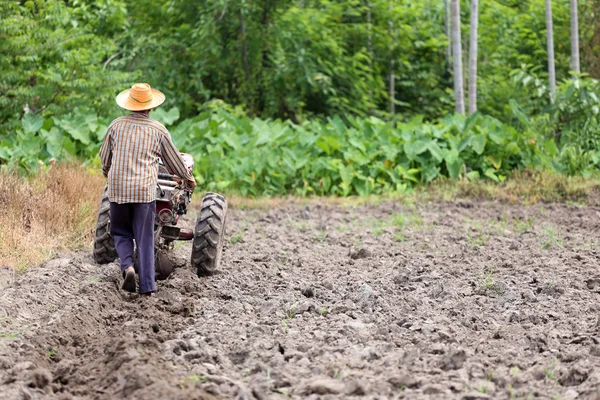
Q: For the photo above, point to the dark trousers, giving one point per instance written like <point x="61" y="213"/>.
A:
<point x="131" y="221"/>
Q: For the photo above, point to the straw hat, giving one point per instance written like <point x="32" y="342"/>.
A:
<point x="140" y="97"/>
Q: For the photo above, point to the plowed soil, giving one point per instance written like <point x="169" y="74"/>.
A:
<point x="463" y="300"/>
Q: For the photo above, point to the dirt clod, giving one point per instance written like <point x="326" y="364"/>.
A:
<point x="40" y="378"/>
<point x="360" y="254"/>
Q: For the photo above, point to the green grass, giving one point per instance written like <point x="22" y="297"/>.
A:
<point x="52" y="353"/>
<point x="478" y="239"/>
<point x="551" y="238"/>
<point x="236" y="238"/>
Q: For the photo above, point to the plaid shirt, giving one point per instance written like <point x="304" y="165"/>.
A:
<point x="130" y="154"/>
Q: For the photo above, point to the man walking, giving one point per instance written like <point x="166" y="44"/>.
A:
<point x="130" y="156"/>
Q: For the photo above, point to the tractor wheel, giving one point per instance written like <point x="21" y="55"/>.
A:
<point x="208" y="235"/>
<point x="104" y="244"/>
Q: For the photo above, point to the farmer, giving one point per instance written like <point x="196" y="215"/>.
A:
<point x="130" y="155"/>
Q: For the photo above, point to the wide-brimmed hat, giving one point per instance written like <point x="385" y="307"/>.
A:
<point x="140" y="97"/>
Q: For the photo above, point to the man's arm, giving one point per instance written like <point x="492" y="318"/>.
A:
<point x="106" y="153"/>
<point x="173" y="161"/>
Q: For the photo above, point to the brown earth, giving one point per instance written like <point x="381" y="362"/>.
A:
<point x="464" y="300"/>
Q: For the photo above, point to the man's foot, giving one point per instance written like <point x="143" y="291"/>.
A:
<point x="129" y="280"/>
<point x="147" y="294"/>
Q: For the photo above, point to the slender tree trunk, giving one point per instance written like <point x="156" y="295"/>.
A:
<point x="245" y="65"/>
<point x="447" y="18"/>
<point x="473" y="49"/>
<point x="370" y="45"/>
<point x="392" y="64"/>
<point x="575" y="66"/>
<point x="550" y="43"/>
<point x="459" y="90"/>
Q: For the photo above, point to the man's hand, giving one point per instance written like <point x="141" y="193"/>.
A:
<point x="190" y="184"/>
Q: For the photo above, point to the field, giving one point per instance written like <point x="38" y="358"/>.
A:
<point x="402" y="300"/>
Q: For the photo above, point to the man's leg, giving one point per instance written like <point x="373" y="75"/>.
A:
<point x="143" y="231"/>
<point x="122" y="231"/>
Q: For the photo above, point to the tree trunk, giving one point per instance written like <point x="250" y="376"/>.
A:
<point x="473" y="48"/>
<point x="448" y="35"/>
<point x="392" y="64"/>
<point x="575" y="66"/>
<point x="244" y="46"/>
<point x="370" y="45"/>
<point x="459" y="90"/>
<point x="550" y="43"/>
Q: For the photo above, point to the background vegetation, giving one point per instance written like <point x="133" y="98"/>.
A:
<point x="295" y="96"/>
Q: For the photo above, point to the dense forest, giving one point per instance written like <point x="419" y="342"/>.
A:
<point x="311" y="63"/>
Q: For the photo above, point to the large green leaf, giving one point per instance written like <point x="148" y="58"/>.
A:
<point x="550" y="147"/>
<point x="346" y="173"/>
<point x="435" y="151"/>
<point x="166" y="117"/>
<point x="513" y="148"/>
<point x="454" y="167"/>
<point x="77" y="127"/>
<point x="490" y="173"/>
<point x="478" y="144"/>
<point x="32" y="122"/>
<point x="430" y="172"/>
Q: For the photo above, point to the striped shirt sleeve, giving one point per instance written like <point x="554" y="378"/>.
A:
<point x="106" y="152"/>
<point x="172" y="159"/>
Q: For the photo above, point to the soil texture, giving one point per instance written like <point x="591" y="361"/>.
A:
<point x="441" y="300"/>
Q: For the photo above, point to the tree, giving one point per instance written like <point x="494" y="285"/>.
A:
<point x="473" y="47"/>
<point x="574" y="38"/>
<point x="550" y="43"/>
<point x="459" y="90"/>
<point x="392" y="62"/>
<point x="448" y="35"/>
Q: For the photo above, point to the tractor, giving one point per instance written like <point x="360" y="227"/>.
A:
<point x="172" y="200"/>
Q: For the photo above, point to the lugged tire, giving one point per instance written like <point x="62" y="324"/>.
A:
<point x="209" y="233"/>
<point x="104" y="244"/>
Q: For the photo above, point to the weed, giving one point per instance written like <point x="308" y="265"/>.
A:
<point x="238" y="237"/>
<point x="195" y="378"/>
<point x="523" y="226"/>
<point x="324" y="311"/>
<point x="342" y="228"/>
<point x="483" y="388"/>
<point x="51" y="353"/>
<point x="514" y="371"/>
<point x="285" y="324"/>
<point x="302" y="226"/>
<point x="192" y="379"/>
<point x="321" y="236"/>
<point x="9" y="335"/>
<point x="549" y="372"/>
<point x="511" y="391"/>
<point x="399" y="221"/>
<point x="488" y="279"/>
<point x="290" y="314"/>
<point x="337" y="373"/>
<point x="477" y="240"/>
<point x="551" y="238"/>
<point x="399" y="237"/>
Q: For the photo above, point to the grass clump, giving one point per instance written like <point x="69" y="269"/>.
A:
<point x="51" y="211"/>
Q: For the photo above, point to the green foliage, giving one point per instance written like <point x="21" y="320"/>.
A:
<point x="257" y="157"/>
<point x="287" y="59"/>
<point x="54" y="57"/>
